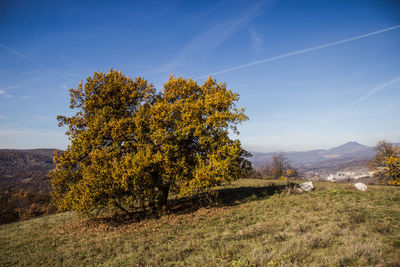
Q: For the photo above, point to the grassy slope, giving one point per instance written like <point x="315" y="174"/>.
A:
<point x="331" y="226"/>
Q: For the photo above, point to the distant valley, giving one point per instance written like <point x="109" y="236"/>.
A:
<point x="350" y="155"/>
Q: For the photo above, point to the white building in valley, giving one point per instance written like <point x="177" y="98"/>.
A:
<point x="343" y="175"/>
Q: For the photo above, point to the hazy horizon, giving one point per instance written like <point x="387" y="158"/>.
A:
<point x="311" y="74"/>
<point x="258" y="149"/>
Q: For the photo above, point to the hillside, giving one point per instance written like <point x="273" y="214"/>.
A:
<point x="24" y="183"/>
<point x="25" y="168"/>
<point x="252" y="223"/>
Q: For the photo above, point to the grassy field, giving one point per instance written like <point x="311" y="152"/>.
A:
<point x="252" y="223"/>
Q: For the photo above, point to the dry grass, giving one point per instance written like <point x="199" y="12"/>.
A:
<point x="252" y="223"/>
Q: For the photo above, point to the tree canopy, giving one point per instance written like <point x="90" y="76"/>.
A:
<point x="386" y="163"/>
<point x="131" y="145"/>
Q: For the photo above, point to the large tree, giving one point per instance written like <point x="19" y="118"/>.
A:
<point x="131" y="145"/>
<point x="386" y="163"/>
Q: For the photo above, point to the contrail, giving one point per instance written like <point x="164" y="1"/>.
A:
<point x="299" y="52"/>
<point x="345" y="109"/>
<point x="36" y="63"/>
<point x="374" y="91"/>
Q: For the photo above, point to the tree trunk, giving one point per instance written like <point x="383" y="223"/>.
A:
<point x="121" y="208"/>
<point x="162" y="199"/>
<point x="153" y="207"/>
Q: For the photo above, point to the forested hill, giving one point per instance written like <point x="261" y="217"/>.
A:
<point x="27" y="168"/>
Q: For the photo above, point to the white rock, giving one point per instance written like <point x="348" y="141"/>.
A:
<point x="361" y="186"/>
<point x="306" y="187"/>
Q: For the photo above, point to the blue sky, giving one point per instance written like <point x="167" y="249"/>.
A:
<point x="302" y="87"/>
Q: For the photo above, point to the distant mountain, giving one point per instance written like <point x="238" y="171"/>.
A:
<point x="349" y="148"/>
<point x="345" y="154"/>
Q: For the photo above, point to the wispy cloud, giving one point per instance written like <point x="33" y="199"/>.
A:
<point x="256" y="41"/>
<point x="213" y="37"/>
<point x="27" y="132"/>
<point x="36" y="62"/>
<point x="5" y="94"/>
<point x="298" y="52"/>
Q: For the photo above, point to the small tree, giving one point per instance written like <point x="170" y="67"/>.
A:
<point x="386" y="163"/>
<point x="279" y="168"/>
<point x="131" y="146"/>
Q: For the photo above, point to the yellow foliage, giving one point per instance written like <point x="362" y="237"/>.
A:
<point x="386" y="163"/>
<point x="130" y="146"/>
<point x="283" y="178"/>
